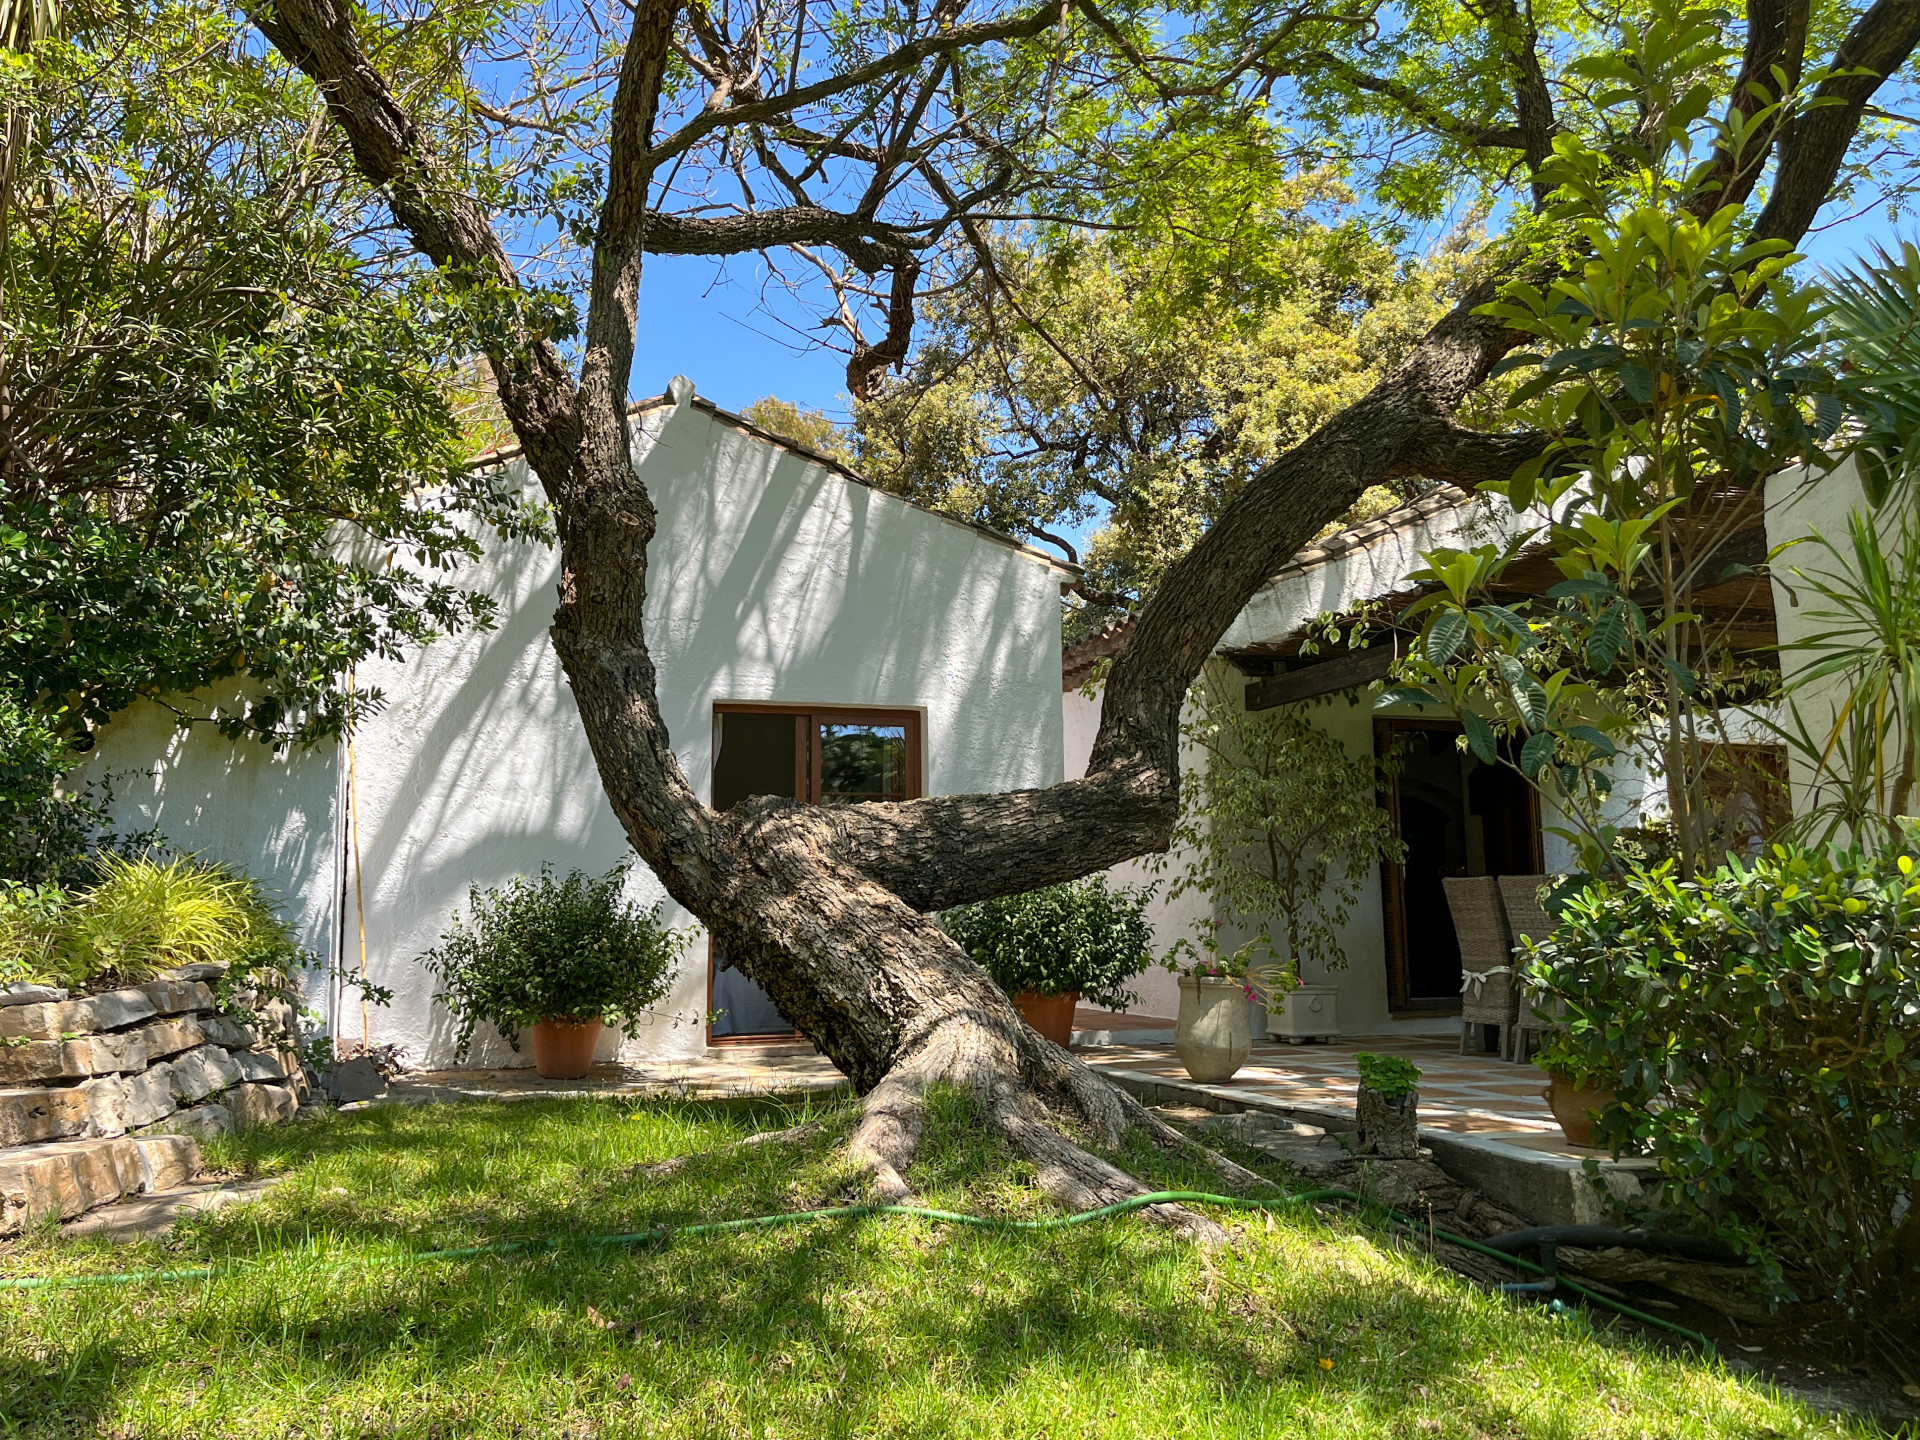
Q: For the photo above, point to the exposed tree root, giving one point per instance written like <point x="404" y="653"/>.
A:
<point x="1028" y="1090"/>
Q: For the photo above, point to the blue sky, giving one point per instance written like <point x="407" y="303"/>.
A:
<point x="707" y="323"/>
<point x="712" y="326"/>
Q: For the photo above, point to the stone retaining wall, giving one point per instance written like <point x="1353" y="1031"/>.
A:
<point x="108" y="1095"/>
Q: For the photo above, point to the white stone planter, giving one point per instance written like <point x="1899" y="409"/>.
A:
<point x="1212" y="1038"/>
<point x="1311" y="1012"/>
<point x="1257" y="1019"/>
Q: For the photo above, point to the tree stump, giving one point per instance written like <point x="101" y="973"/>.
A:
<point x="1389" y="1125"/>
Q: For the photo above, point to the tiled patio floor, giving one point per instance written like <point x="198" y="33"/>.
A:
<point x="1466" y="1094"/>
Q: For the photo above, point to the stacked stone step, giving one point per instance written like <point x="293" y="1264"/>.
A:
<point x="103" y="1096"/>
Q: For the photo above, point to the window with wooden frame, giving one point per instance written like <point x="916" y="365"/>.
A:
<point x="819" y="755"/>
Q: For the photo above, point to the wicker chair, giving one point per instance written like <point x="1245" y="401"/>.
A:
<point x="1488" y="995"/>
<point x="1527" y="919"/>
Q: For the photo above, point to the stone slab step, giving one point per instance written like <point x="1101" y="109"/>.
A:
<point x="68" y="1178"/>
<point x="147" y="1217"/>
<point x="113" y="1010"/>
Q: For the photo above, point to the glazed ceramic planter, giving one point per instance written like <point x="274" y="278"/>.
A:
<point x="1575" y="1107"/>
<point x="1050" y="1015"/>
<point x="563" y="1047"/>
<point x="1212" y="1038"/>
<point x="1306" y="1012"/>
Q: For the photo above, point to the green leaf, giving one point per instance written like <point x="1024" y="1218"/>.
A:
<point x="1528" y="696"/>
<point x="1609" y="633"/>
<point x="1404" y="695"/>
<point x="1585" y="585"/>
<point x="1689" y="682"/>
<point x="1596" y="738"/>
<point x="1536" y="752"/>
<point x="1444" y="636"/>
<point x="1480" y="737"/>
<point x="1637" y="381"/>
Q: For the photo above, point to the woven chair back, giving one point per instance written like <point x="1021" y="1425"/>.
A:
<point x="1488" y="995"/>
<point x="1527" y="917"/>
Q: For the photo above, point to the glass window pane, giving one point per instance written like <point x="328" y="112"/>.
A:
<point x="862" y="762"/>
<point x="757" y="757"/>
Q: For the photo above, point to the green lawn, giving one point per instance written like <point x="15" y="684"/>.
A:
<point x="849" y="1328"/>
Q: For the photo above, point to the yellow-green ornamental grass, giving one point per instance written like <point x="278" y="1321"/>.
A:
<point x="845" y="1328"/>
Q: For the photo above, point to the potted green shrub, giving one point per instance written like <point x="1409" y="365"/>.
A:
<point x="1049" y="949"/>
<point x="1575" y="1092"/>
<point x="562" y="957"/>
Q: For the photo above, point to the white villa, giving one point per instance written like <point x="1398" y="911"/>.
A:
<point x="793" y="607"/>
<point x="790" y="605"/>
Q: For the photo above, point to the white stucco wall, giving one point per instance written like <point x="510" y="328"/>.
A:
<point x="772" y="579"/>
<point x="1801" y="506"/>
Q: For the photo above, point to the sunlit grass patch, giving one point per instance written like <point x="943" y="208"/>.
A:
<point x="855" y="1327"/>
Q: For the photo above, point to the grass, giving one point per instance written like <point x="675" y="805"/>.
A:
<point x="849" y="1328"/>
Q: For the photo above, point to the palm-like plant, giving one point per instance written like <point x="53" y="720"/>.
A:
<point x="1864" y="661"/>
<point x="25" y="23"/>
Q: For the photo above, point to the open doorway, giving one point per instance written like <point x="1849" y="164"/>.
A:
<point x="1456" y="816"/>
<point x="820" y="757"/>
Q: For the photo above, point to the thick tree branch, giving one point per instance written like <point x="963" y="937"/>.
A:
<point x="1533" y="101"/>
<point x="1814" y="149"/>
<point x="448" y="227"/>
<point x="949" y="850"/>
<point x="1770" y="69"/>
<point x="1465" y="458"/>
<point x="861" y="236"/>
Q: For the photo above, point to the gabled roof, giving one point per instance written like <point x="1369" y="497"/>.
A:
<point x="680" y="385"/>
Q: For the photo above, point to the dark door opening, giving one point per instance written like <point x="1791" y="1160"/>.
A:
<point x="1456" y="816"/>
<point x="821" y="757"/>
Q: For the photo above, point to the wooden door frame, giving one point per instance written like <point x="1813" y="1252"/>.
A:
<point x="1393" y="902"/>
<point x="807" y="720"/>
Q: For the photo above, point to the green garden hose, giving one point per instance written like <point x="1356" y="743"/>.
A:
<point x="796" y="1217"/>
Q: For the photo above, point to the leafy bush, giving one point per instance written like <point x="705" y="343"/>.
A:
<point x="1389" y="1075"/>
<point x="1082" y="936"/>
<point x="141" y="914"/>
<point x="30" y="920"/>
<point x="44" y="828"/>
<point x="536" y="949"/>
<point x="1761" y="1028"/>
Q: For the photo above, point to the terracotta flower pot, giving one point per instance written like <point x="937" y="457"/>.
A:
<point x="1050" y="1015"/>
<point x="563" y="1047"/>
<point x="1575" y="1107"/>
<point x="1212" y="1038"/>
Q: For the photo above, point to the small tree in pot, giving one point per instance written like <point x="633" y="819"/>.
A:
<point x="561" y="956"/>
<point x="1051" y="948"/>
<point x="1279" y="826"/>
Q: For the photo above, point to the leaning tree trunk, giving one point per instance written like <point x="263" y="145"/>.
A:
<point x="827" y="910"/>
